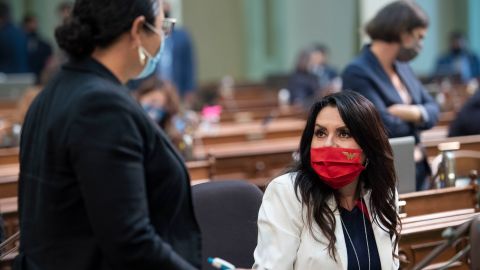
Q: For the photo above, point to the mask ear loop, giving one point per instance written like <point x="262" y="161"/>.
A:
<point x="366" y="163"/>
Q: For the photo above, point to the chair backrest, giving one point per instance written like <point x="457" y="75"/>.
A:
<point x="404" y="163"/>
<point x="227" y="213"/>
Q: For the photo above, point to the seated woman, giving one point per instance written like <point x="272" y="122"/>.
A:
<point x="160" y="101"/>
<point x="337" y="209"/>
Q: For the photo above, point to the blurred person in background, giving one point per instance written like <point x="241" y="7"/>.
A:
<point x="178" y="62"/>
<point x="13" y="44"/>
<point x="302" y="84"/>
<point x="39" y="50"/>
<point x="100" y="185"/>
<point x="312" y="77"/>
<point x="325" y="73"/>
<point x="160" y="101"/>
<point x="382" y="74"/>
<point x="466" y="122"/>
<point x="459" y="61"/>
<point x="64" y="9"/>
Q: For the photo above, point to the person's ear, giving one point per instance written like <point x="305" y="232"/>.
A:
<point x="136" y="31"/>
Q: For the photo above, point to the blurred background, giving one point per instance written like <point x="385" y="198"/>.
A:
<point x="252" y="39"/>
<point x="240" y="60"/>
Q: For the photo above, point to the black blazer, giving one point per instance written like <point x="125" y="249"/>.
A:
<point x="366" y="76"/>
<point x="467" y="121"/>
<point x="100" y="185"/>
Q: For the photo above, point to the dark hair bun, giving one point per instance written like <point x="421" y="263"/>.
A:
<point x="75" y="37"/>
<point x="91" y="25"/>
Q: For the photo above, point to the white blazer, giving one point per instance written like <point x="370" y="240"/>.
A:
<point x="285" y="241"/>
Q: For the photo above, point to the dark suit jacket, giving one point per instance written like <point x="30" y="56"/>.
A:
<point x="101" y="187"/>
<point x="366" y="76"/>
<point x="467" y="120"/>
<point x="182" y="64"/>
<point x="303" y="87"/>
<point x="13" y="49"/>
<point x="446" y="65"/>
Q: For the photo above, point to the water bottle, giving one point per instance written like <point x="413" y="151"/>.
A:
<point x="446" y="171"/>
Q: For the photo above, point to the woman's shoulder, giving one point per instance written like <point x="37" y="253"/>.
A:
<point x="99" y="92"/>
<point x="358" y="67"/>
<point x="283" y="186"/>
<point x="287" y="180"/>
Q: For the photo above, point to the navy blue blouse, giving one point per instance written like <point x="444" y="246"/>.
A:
<point x="353" y="221"/>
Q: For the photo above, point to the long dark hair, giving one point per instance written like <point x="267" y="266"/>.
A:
<point x="363" y="121"/>
<point x="99" y="23"/>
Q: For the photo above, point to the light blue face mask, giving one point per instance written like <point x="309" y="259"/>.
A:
<point x="156" y="113"/>
<point x="152" y="61"/>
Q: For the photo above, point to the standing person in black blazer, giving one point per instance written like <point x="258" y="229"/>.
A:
<point x="101" y="187"/>
<point x="381" y="73"/>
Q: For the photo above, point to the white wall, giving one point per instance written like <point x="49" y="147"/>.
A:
<point x="243" y="39"/>
<point x="332" y="22"/>
<point x="217" y="28"/>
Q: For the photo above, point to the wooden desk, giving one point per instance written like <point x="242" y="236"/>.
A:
<point x="9" y="155"/>
<point x="439" y="200"/>
<point x="9" y="180"/>
<point x="200" y="170"/>
<point x="421" y="234"/>
<point x="9" y="212"/>
<point x="256" y="161"/>
<point x="427" y="214"/>
<point x="234" y="105"/>
<point x="261" y="113"/>
<point x="446" y="118"/>
<point x="242" y="132"/>
<point x="435" y="133"/>
<point x="471" y="142"/>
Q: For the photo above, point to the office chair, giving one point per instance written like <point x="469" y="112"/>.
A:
<point x="227" y="214"/>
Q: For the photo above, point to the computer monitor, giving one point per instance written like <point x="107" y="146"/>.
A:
<point x="404" y="163"/>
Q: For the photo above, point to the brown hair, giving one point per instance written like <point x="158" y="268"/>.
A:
<point x="394" y="19"/>
<point x="366" y="127"/>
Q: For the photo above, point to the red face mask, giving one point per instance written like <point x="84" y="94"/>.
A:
<point x="337" y="167"/>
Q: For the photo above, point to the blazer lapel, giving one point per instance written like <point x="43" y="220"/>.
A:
<point x="177" y="155"/>
<point x="340" y="244"/>
<point x="382" y="239"/>
<point x="381" y="77"/>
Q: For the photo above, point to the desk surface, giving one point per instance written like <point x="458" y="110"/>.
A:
<point x="243" y="149"/>
<point x="229" y="129"/>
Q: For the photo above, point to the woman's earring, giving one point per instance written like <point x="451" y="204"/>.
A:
<point x="366" y="163"/>
<point x="141" y="56"/>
